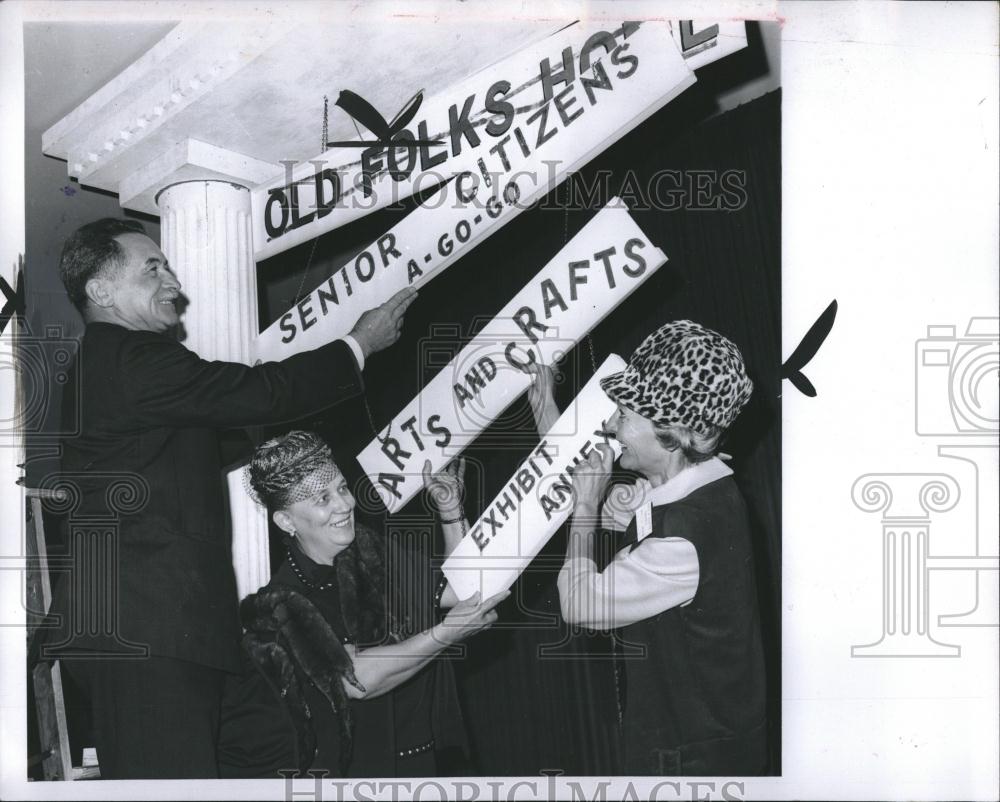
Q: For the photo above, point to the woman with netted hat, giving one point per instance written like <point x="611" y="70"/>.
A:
<point x="682" y="584"/>
<point x="339" y="647"/>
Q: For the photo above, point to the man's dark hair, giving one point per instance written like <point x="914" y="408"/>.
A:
<point x="90" y="250"/>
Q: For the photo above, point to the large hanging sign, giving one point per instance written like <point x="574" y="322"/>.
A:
<point x="486" y="123"/>
<point x="604" y="85"/>
<point x="537" y="499"/>
<point x="598" y="269"/>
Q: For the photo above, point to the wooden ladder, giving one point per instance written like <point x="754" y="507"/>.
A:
<point x="50" y="706"/>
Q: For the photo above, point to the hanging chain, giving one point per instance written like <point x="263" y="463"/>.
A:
<point x="593" y="356"/>
<point x="326" y="139"/>
<point x="371" y="422"/>
<point x="326" y="125"/>
<point x="616" y="659"/>
<point x="305" y="273"/>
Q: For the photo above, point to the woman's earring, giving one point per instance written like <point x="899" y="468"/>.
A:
<point x="293" y="533"/>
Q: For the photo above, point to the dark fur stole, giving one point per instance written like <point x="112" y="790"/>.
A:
<point x="288" y="638"/>
<point x="365" y="578"/>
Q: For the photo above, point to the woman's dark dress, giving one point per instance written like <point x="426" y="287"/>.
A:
<point x="258" y="737"/>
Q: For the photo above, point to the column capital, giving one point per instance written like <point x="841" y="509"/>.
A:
<point x="905" y="496"/>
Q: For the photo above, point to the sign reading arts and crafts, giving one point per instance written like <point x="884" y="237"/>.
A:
<point x="598" y="269"/>
<point x="537" y="499"/>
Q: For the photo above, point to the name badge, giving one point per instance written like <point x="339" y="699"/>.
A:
<point x="643" y="521"/>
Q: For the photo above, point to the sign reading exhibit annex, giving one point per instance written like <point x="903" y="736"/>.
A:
<point x="592" y="274"/>
<point x="587" y="111"/>
<point x="537" y="499"/>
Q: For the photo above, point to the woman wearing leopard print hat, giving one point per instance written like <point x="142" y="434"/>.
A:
<point x="682" y="585"/>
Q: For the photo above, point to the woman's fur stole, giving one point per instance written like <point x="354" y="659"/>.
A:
<point x="288" y="638"/>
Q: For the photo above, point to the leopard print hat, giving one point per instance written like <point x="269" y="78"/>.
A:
<point x="683" y="374"/>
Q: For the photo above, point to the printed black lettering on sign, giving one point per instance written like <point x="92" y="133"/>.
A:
<point x="695" y="41"/>
<point x="276" y="200"/>
<point x="496" y="105"/>
<point x="395" y="152"/>
<point x="282" y="210"/>
<point x="325" y="202"/>
<point x="298" y="203"/>
<point x="460" y="126"/>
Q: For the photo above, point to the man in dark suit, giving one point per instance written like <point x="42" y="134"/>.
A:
<point x="150" y="411"/>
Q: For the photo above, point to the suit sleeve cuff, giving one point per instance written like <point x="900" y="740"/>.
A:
<point x="359" y="355"/>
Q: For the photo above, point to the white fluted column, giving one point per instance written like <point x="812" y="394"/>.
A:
<point x="205" y="234"/>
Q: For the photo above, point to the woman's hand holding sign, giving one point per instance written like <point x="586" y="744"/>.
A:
<point x="590" y="483"/>
<point x="541" y="396"/>
<point x="446" y="489"/>
<point x="469" y="617"/>
<point x="590" y="480"/>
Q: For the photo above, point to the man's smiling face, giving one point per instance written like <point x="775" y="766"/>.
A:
<point x="144" y="289"/>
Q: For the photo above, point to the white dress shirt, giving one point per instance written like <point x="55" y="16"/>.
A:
<point x="359" y="355"/>
<point x="657" y="575"/>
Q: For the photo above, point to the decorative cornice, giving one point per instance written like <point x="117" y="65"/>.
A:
<point x="126" y="125"/>
<point x="242" y="96"/>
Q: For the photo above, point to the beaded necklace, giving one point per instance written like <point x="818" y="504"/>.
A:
<point x="298" y="572"/>
<point x="348" y="638"/>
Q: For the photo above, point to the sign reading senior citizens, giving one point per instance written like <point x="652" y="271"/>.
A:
<point x="594" y="272"/>
<point x="525" y="142"/>
<point x="537" y="499"/>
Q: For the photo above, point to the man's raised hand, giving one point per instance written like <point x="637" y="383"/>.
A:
<point x="380" y="327"/>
